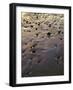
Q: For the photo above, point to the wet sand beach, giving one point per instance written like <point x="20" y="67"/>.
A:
<point x="42" y="41"/>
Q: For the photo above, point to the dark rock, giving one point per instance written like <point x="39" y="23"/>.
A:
<point x="48" y="34"/>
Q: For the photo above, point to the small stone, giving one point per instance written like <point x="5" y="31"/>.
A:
<point x="26" y="21"/>
<point x="60" y="38"/>
<point x="33" y="51"/>
<point x="38" y="24"/>
<point x="37" y="34"/>
<point x="48" y="34"/>
<point x="31" y="25"/>
<point x="49" y="25"/>
<point x="23" y="51"/>
<point x="62" y="32"/>
<point x="59" y="32"/>
<point x="36" y="28"/>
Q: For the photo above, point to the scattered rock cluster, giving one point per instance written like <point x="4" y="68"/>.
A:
<point x="42" y="44"/>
